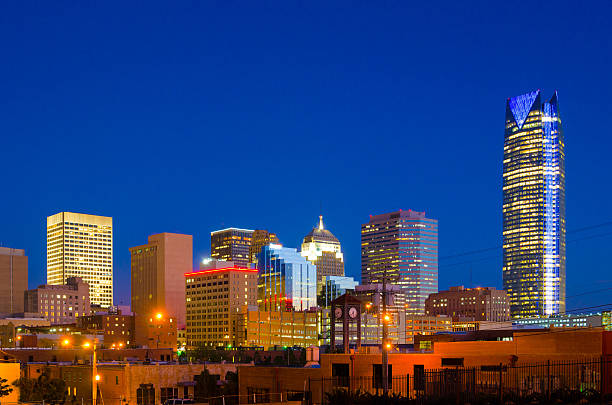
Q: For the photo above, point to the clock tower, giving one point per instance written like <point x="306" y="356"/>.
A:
<point x="346" y="309"/>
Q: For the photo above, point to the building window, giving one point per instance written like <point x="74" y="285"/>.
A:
<point x="145" y="394"/>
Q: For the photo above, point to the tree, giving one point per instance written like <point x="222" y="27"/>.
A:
<point x="44" y="388"/>
<point x="206" y="386"/>
<point x="5" y="389"/>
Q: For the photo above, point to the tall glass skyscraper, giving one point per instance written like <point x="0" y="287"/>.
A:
<point x="403" y="247"/>
<point x="534" y="207"/>
<point x="286" y="280"/>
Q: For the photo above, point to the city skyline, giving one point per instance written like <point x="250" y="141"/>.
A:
<point x="313" y="100"/>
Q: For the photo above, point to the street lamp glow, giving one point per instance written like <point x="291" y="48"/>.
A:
<point x="97" y="377"/>
<point x="158" y="315"/>
<point x="66" y="342"/>
<point x="86" y="345"/>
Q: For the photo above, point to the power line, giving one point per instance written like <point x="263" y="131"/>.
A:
<point x="577" y="230"/>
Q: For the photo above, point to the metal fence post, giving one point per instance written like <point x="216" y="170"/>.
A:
<point x="501" y="394"/>
<point x="549" y="381"/>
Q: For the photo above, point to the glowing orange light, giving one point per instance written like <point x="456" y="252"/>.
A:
<point x="387" y="318"/>
<point x="97" y="377"/>
<point x="86" y="345"/>
<point x="388" y="345"/>
<point x="158" y="315"/>
<point x="18" y="337"/>
<point x="66" y="342"/>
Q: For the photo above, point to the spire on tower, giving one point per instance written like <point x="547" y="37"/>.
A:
<point x="321" y="227"/>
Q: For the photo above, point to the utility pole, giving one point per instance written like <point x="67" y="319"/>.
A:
<point x="385" y="332"/>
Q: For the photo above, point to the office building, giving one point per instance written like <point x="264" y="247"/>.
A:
<point x="402" y="247"/>
<point x="534" y="207"/>
<point x="331" y="287"/>
<point x="81" y="245"/>
<point x="260" y="238"/>
<point x="215" y="296"/>
<point x="231" y="245"/>
<point x="287" y="281"/>
<point x="158" y="285"/>
<point x="476" y="304"/>
<point x="14" y="273"/>
<point x="322" y="249"/>
<point x="60" y="304"/>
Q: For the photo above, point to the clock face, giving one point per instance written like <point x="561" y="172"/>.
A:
<point x="338" y="313"/>
<point x="353" y="312"/>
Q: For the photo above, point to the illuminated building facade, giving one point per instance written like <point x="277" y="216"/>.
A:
<point x="275" y="329"/>
<point x="287" y="281"/>
<point x="215" y="298"/>
<point x="534" y="207"/>
<point x="322" y="249"/>
<point x="331" y="287"/>
<point x="60" y="304"/>
<point x="403" y="247"/>
<point x="477" y="304"/>
<point x="81" y="245"/>
<point x="14" y="272"/>
<point x="158" y="285"/>
<point x="231" y="245"/>
<point x="260" y="238"/>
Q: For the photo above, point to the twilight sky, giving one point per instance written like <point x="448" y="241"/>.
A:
<point x="190" y="117"/>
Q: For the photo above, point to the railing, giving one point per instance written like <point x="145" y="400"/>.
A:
<point x="589" y="378"/>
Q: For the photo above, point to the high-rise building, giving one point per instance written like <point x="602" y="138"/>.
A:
<point x="231" y="245"/>
<point x="260" y="238"/>
<point x="215" y="296"/>
<point x="534" y="207"/>
<point x="287" y="281"/>
<point x="60" y="304"/>
<point x="81" y="245"/>
<point x="158" y="285"/>
<point x="402" y="247"/>
<point x="477" y="304"/>
<point x="322" y="249"/>
<point x="14" y="272"/>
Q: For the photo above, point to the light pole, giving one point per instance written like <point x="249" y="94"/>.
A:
<point x="94" y="371"/>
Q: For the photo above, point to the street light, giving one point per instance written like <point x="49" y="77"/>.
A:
<point x="95" y="377"/>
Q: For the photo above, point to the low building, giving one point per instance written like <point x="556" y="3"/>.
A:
<point x="81" y="355"/>
<point x="61" y="304"/>
<point x="478" y="304"/>
<point x="161" y="332"/>
<point x="593" y="320"/>
<point x="117" y="329"/>
<point x="426" y="325"/>
<point x="469" y="325"/>
<point x="511" y="359"/>
<point x="215" y="295"/>
<point x="273" y="329"/>
<point x="11" y="372"/>
<point x="130" y="383"/>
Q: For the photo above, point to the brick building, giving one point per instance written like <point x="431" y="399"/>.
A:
<point x="477" y="304"/>
<point x="60" y="304"/>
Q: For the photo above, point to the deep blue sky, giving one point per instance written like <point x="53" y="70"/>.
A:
<point x="188" y="118"/>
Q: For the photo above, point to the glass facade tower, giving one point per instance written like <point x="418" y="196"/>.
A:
<point x="286" y="280"/>
<point x="403" y="247"/>
<point x="534" y="207"/>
